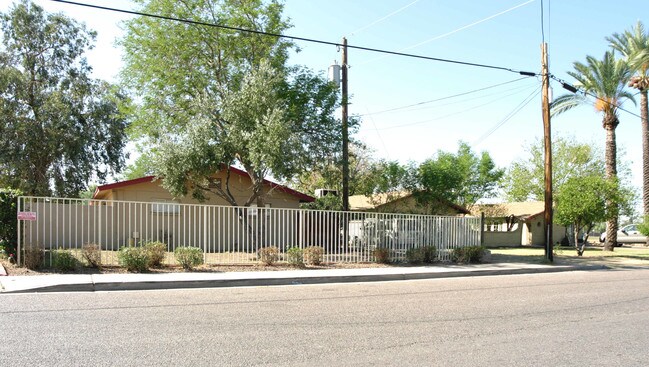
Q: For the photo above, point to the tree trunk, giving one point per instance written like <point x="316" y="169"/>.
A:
<point x="610" y="159"/>
<point x="575" y="232"/>
<point x="644" y="115"/>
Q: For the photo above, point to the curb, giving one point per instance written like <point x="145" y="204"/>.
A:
<point x="92" y="286"/>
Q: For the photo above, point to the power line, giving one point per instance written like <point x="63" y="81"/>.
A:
<point x="507" y="117"/>
<point x="467" y="26"/>
<point x="296" y="38"/>
<point x="505" y="93"/>
<point x="452" y="114"/>
<point x="385" y="17"/>
<point x="440" y="99"/>
<point x="455" y="30"/>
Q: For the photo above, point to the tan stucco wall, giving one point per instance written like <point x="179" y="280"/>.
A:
<point x="503" y="239"/>
<point x="536" y="236"/>
<point x="239" y="186"/>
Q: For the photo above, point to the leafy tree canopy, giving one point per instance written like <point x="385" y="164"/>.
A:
<point x="524" y="179"/>
<point x="461" y="178"/>
<point x="257" y="127"/>
<point x="61" y="127"/>
<point x="213" y="97"/>
<point x="172" y="64"/>
<point x="582" y="201"/>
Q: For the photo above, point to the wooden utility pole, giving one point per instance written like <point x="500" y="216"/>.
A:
<point x="345" y="128"/>
<point x="545" y="101"/>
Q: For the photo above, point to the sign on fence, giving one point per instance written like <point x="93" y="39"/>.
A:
<point x="27" y="216"/>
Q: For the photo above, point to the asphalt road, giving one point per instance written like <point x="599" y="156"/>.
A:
<point x="596" y="318"/>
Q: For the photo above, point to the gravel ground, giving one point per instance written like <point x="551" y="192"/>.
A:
<point x="12" y="269"/>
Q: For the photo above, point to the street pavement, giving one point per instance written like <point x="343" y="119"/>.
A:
<point x="132" y="281"/>
<point x="571" y="318"/>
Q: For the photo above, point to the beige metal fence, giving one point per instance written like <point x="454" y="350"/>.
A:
<point x="229" y="234"/>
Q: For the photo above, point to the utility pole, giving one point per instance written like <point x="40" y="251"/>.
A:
<point x="345" y="128"/>
<point x="545" y="101"/>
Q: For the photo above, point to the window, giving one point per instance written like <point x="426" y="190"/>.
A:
<point x="162" y="206"/>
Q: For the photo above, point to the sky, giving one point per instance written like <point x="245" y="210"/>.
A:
<point x="492" y="110"/>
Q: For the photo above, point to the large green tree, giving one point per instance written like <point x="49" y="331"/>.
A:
<point x="605" y="79"/>
<point x="524" y="179"/>
<point x="634" y="46"/>
<point x="60" y="127"/>
<point x="581" y="202"/>
<point x="172" y="64"/>
<point x="462" y="178"/>
<point x="258" y="127"/>
<point x="213" y="97"/>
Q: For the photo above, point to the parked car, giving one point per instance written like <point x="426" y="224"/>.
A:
<point x="627" y="234"/>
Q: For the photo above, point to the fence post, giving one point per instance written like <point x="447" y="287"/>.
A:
<point x="301" y="243"/>
<point x="18" y="232"/>
<point x="482" y="229"/>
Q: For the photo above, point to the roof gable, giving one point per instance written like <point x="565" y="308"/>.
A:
<point x="121" y="184"/>
<point x="524" y="209"/>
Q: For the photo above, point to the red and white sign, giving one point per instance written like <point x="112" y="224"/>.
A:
<point x="26" y="215"/>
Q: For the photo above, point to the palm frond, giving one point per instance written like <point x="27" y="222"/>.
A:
<point x="565" y="103"/>
<point x="633" y="45"/>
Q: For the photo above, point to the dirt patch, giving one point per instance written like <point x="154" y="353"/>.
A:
<point x="12" y="269"/>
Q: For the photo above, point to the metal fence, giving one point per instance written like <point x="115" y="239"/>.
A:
<point x="229" y="235"/>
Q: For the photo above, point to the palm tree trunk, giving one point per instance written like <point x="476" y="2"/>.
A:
<point x="610" y="159"/>
<point x="644" y="115"/>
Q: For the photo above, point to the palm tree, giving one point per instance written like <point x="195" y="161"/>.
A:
<point x="605" y="80"/>
<point x="633" y="45"/>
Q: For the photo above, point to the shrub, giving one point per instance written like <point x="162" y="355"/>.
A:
<point x="156" y="252"/>
<point x="4" y="249"/>
<point x="295" y="256"/>
<point x="8" y="222"/>
<point x="313" y="255"/>
<point x="33" y="257"/>
<point x="468" y="255"/>
<point x="268" y="255"/>
<point x="64" y="260"/>
<point x="134" y="259"/>
<point x="188" y="257"/>
<point x="424" y="254"/>
<point x="91" y="252"/>
<point x="381" y="255"/>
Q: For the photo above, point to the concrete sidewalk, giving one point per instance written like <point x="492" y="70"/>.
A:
<point x="115" y="282"/>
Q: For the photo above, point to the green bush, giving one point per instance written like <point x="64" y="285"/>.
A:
<point x="64" y="260"/>
<point x="188" y="257"/>
<point x="381" y="255"/>
<point x="268" y="255"/>
<point x="468" y="255"/>
<point x="91" y="252"/>
<point x="313" y="255"/>
<point x="135" y="259"/>
<point x="424" y="254"/>
<point x="295" y="256"/>
<point x="156" y="252"/>
<point x="32" y="257"/>
<point x="8" y="222"/>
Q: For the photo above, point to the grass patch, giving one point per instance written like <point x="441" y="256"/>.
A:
<point x="536" y="255"/>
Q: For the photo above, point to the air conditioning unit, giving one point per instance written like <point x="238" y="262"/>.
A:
<point x="319" y="193"/>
